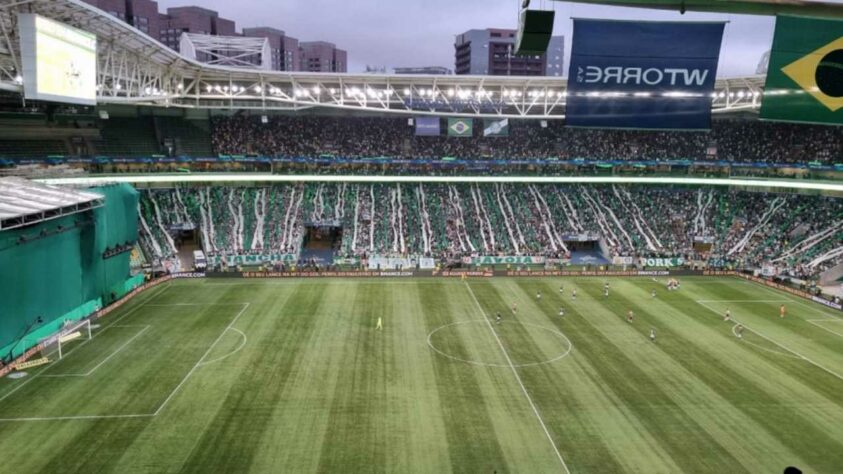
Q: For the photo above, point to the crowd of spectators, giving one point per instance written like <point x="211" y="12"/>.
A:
<point x="354" y="137"/>
<point x="448" y="222"/>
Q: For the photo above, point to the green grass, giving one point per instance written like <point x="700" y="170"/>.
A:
<point x="291" y="376"/>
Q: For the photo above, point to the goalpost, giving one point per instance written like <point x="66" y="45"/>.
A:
<point x="71" y="334"/>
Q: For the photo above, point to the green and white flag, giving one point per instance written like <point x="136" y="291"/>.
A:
<point x="460" y="127"/>
<point x="496" y="128"/>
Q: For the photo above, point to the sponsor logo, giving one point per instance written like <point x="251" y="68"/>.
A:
<point x="188" y="275"/>
<point x="32" y="363"/>
<point x="663" y="262"/>
<point x="253" y="259"/>
<point x="619" y="75"/>
<point x="511" y="260"/>
<point x="825" y="302"/>
<point x="325" y="274"/>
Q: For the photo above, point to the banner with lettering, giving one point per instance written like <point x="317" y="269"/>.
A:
<point x="642" y="74"/>
<point x="427" y="127"/>
<point x="286" y="258"/>
<point x="662" y="262"/>
<point x="506" y="260"/>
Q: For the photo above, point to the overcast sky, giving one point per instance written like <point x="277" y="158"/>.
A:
<point x="421" y="32"/>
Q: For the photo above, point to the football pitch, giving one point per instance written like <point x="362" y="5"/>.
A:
<point x="233" y="375"/>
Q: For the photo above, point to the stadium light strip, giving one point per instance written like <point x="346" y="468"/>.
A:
<point x="295" y="178"/>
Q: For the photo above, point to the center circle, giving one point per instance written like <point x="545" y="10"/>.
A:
<point x="438" y="336"/>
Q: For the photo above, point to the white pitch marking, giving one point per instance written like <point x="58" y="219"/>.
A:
<point x="814" y="322"/>
<point x="89" y="340"/>
<point x="79" y="417"/>
<point x="199" y="362"/>
<point x="794" y="299"/>
<point x="742" y="301"/>
<point x="484" y="364"/>
<point x="195" y="304"/>
<point x="518" y="379"/>
<point x="780" y="345"/>
<point x="241" y="346"/>
<point x="762" y="348"/>
<point x="104" y="360"/>
<point x="133" y="415"/>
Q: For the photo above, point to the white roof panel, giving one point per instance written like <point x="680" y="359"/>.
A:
<point x="20" y="198"/>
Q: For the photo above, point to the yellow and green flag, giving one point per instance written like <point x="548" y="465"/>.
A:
<point x="805" y="75"/>
<point x="460" y="127"/>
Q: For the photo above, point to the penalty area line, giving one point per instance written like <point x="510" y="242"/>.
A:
<point x="201" y="359"/>
<point x="778" y="344"/>
<point x="133" y="310"/>
<point x="145" y="328"/>
<point x="518" y="379"/>
<point x="815" y="321"/>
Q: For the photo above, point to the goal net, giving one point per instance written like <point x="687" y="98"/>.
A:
<point x="72" y="334"/>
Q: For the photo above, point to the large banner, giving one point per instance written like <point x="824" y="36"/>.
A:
<point x="805" y="75"/>
<point x="460" y="127"/>
<point x="427" y="126"/>
<point x="496" y="128"/>
<point x="287" y="258"/>
<point x="632" y="74"/>
<point x="391" y="263"/>
<point x="662" y="262"/>
<point x="495" y="260"/>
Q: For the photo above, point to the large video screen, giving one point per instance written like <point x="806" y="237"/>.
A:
<point x="59" y="61"/>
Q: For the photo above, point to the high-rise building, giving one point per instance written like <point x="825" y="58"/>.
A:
<point x="115" y="8"/>
<point x="438" y="70"/>
<point x="194" y="20"/>
<point x="322" y="56"/>
<point x="491" y="52"/>
<point x="285" y="49"/>
<point x="142" y="14"/>
<point x="287" y="53"/>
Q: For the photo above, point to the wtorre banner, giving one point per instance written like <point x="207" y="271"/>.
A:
<point x="633" y="74"/>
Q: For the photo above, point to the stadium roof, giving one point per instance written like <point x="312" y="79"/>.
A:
<point x="24" y="202"/>
<point x="134" y="68"/>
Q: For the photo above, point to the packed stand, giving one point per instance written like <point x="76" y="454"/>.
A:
<point x="801" y="235"/>
<point x="356" y="137"/>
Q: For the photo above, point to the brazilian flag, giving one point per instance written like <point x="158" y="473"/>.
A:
<point x="460" y="127"/>
<point x="805" y="75"/>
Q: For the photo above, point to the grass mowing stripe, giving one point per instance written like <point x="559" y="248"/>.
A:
<point x="355" y="438"/>
<point x="655" y="408"/>
<point x="16" y="385"/>
<point x="415" y="410"/>
<point x="791" y="331"/>
<point x="554" y="391"/>
<point x="520" y="383"/>
<point x="201" y="359"/>
<point x="465" y="414"/>
<point x="230" y="440"/>
<point x="793" y="429"/>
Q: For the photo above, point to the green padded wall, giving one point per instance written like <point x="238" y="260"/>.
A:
<point x="56" y="269"/>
